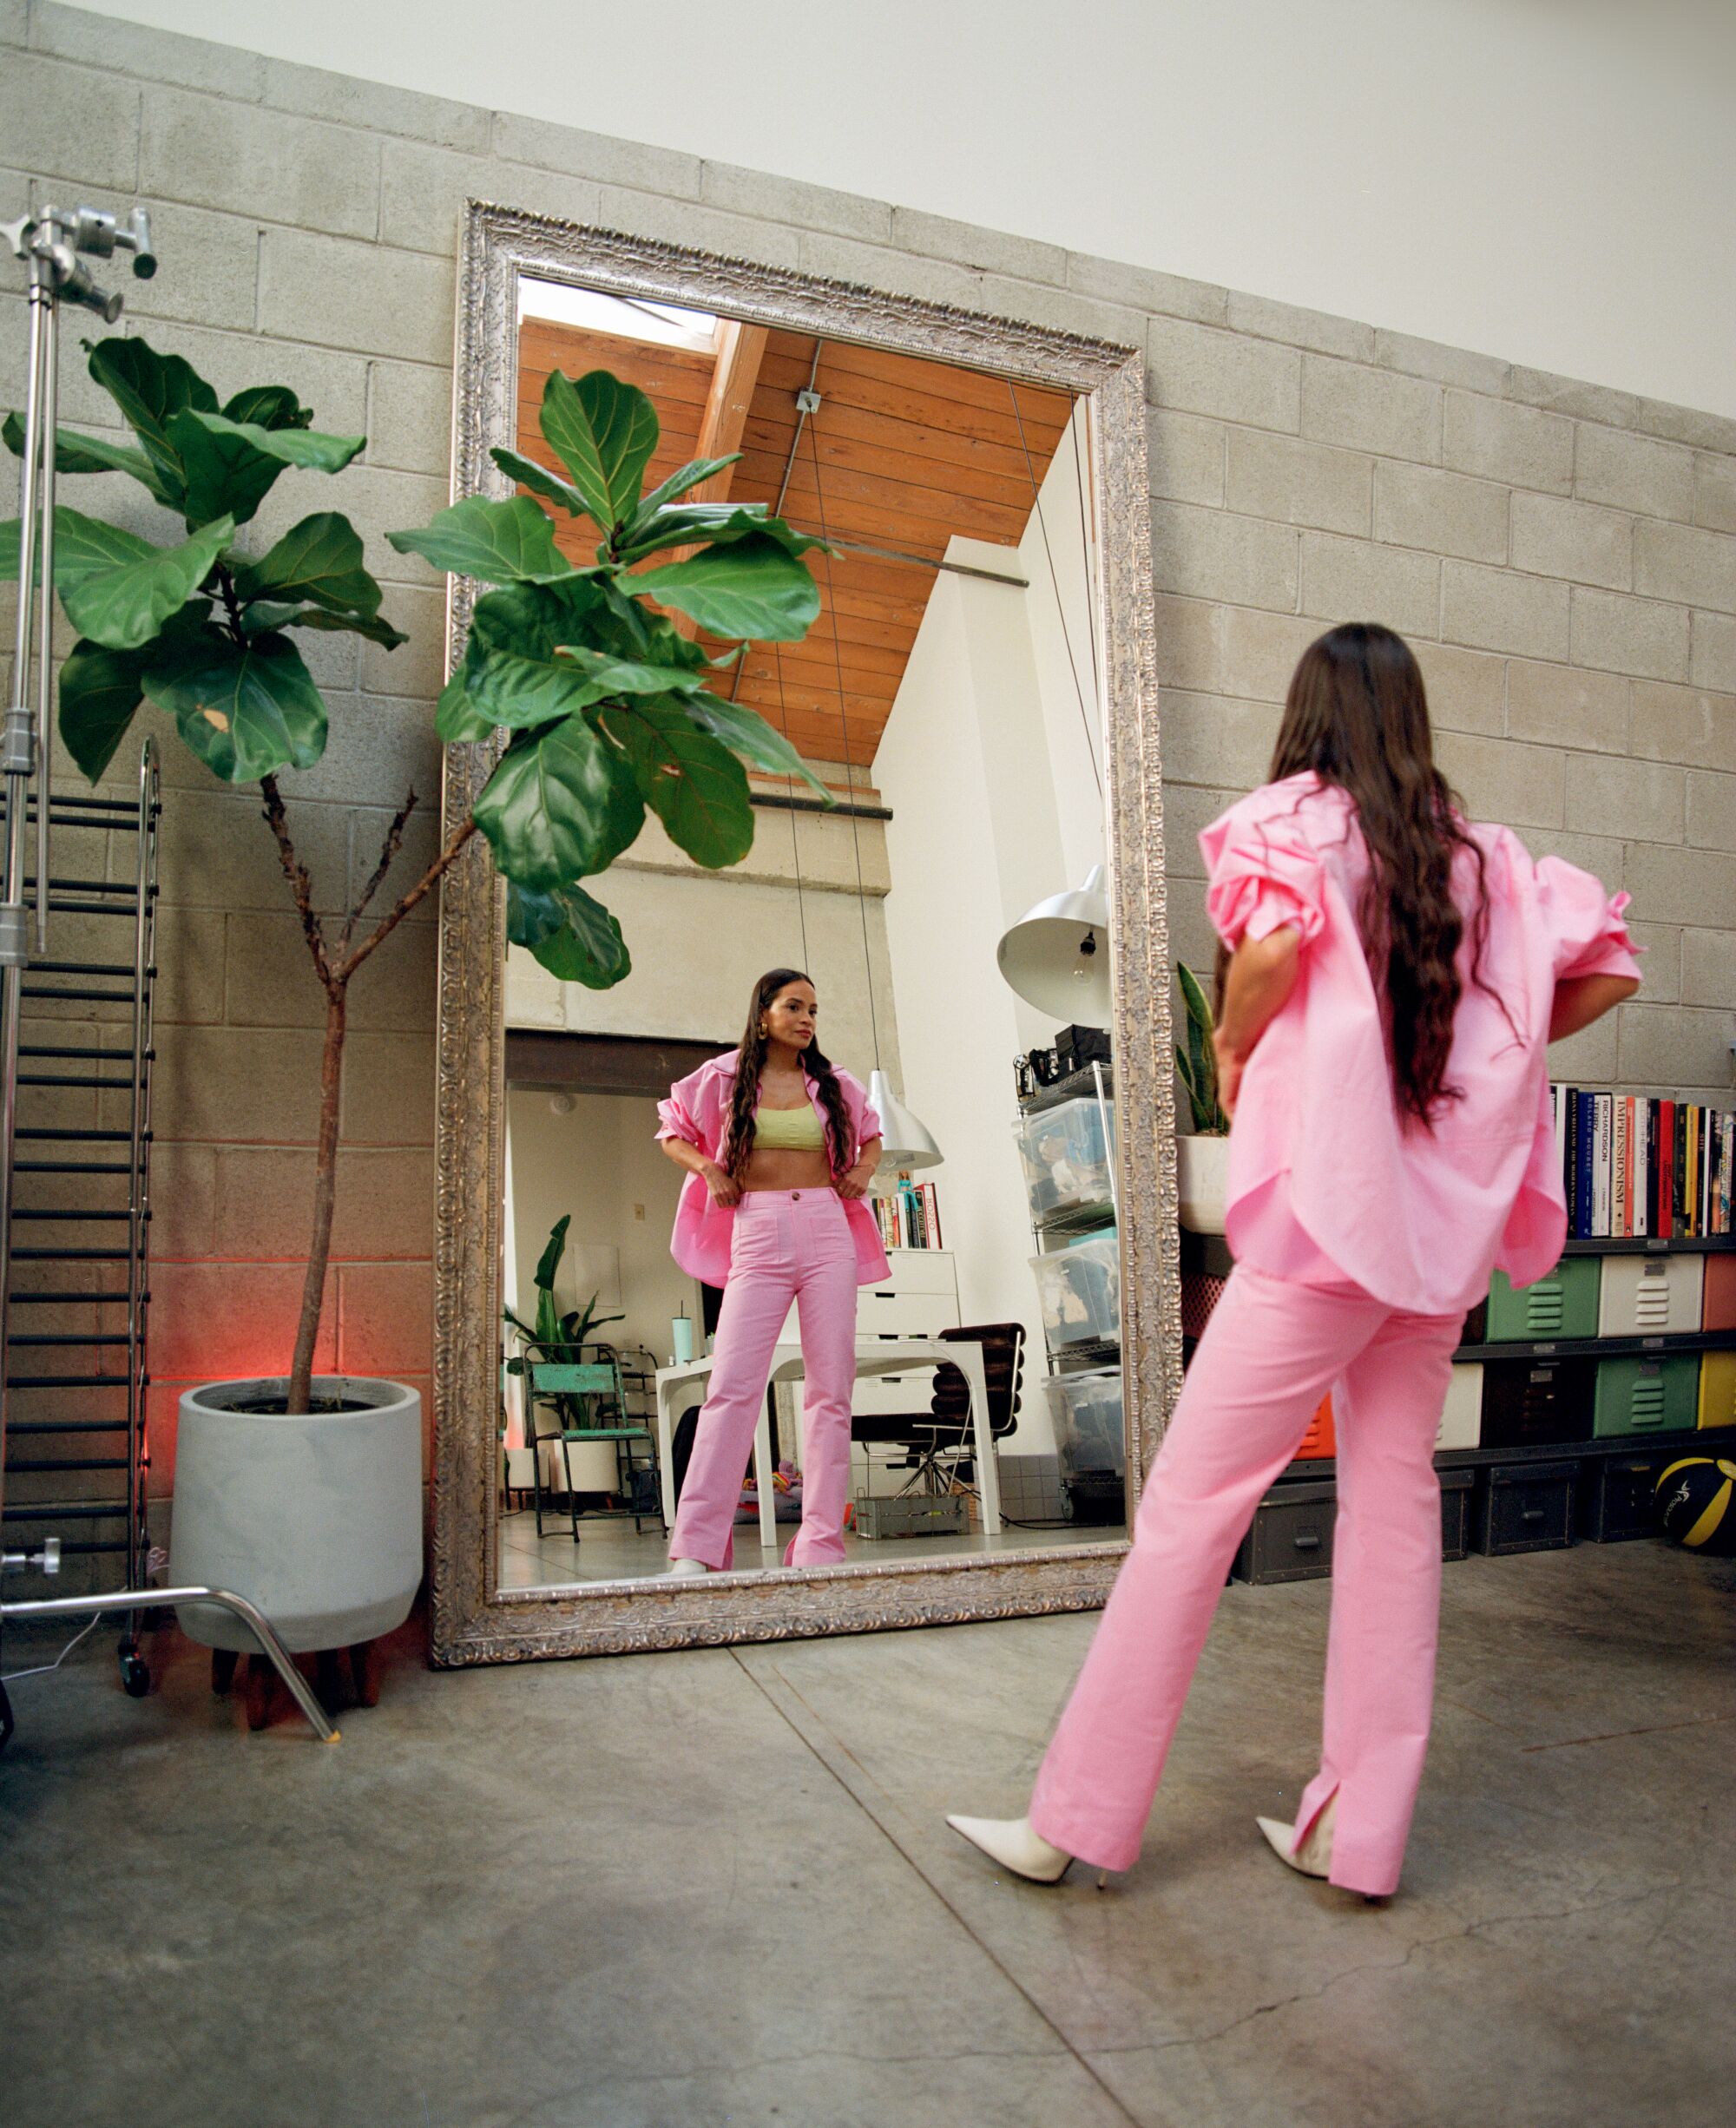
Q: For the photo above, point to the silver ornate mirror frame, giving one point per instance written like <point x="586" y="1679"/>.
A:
<point x="473" y="1620"/>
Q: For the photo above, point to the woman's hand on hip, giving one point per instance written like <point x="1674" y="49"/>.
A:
<point x="853" y="1182"/>
<point x="723" y="1186"/>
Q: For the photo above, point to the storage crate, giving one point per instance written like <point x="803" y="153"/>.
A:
<point x="1617" y="1498"/>
<point x="1562" y="1303"/>
<point x="1461" y="1423"/>
<point x="1079" y="1287"/>
<point x="1524" y="1507"/>
<point x="1096" y="1498"/>
<point x="1717" y="1401"/>
<point x="1718" y="1296"/>
<point x="1086" y="1410"/>
<point x="1067" y="1158"/>
<point x="912" y="1515"/>
<point x="1649" y="1296"/>
<point x="1531" y="1403"/>
<point x="1646" y="1394"/>
<point x="1456" y="1489"/>
<point x="1320" y="1442"/>
<point x="1291" y="1536"/>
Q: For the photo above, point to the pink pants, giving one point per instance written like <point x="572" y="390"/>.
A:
<point x="788" y="1245"/>
<point x="1270" y="1351"/>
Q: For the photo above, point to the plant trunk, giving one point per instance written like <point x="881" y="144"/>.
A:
<point x="324" y="1199"/>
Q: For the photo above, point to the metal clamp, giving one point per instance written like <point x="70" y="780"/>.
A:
<point x="18" y="741"/>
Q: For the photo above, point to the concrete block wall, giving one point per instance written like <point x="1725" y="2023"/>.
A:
<point x="1562" y="555"/>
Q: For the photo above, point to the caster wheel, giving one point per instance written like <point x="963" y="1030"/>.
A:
<point x="136" y="1678"/>
<point x="260" y="1678"/>
<point x="223" y="1661"/>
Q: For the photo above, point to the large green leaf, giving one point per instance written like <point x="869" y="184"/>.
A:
<point x="307" y="447"/>
<point x="232" y="465"/>
<point x="696" y="787"/>
<point x="500" y="542"/>
<point x="319" y="559"/>
<point x="683" y="477"/>
<point x="512" y="671"/>
<point x="326" y="622"/>
<point x="245" y="709"/>
<point x="717" y="524"/>
<point x="604" y="432"/>
<point x="755" y="588"/>
<point x="560" y="804"/>
<point x="89" y="454"/>
<point x="272" y="406"/>
<point x="150" y="390"/>
<point x="126" y="603"/>
<point x="457" y="718"/>
<point x="745" y="732"/>
<point x="540" y="480"/>
<point x="99" y="693"/>
<point x="571" y="934"/>
<point x="548" y="1263"/>
<point x="631" y="628"/>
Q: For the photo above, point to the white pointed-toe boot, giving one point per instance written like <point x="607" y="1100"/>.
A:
<point x="1010" y="1841"/>
<point x="1313" y="1858"/>
<point x="688" y="1570"/>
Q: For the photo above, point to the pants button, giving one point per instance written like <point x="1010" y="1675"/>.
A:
<point x="795" y="1197"/>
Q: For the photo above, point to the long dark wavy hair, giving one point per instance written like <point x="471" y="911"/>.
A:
<point x="1357" y="716"/>
<point x="750" y="1062"/>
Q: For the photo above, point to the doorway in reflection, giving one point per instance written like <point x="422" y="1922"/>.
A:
<point x="947" y="698"/>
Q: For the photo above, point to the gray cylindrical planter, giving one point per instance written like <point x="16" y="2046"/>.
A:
<point x="316" y="1518"/>
<point x="1202" y="1175"/>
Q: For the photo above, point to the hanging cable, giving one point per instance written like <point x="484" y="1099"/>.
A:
<point x="1085" y="549"/>
<point x="1055" y="582"/>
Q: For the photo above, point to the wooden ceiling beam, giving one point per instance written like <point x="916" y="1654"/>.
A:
<point x="740" y="349"/>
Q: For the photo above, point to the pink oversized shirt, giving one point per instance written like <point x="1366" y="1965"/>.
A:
<point x="698" y="1110"/>
<point x="1327" y="1179"/>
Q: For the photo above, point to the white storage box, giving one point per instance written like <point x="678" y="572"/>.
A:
<point x="1644" y="1296"/>
<point x="1066" y="1160"/>
<point x="1086" y="1409"/>
<point x="1462" y="1417"/>
<point x="1079" y="1287"/>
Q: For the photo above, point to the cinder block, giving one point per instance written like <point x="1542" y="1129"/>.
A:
<point x="1711" y="812"/>
<point x="1185" y="457"/>
<point x="1554" y="537"/>
<point x="1443" y="513"/>
<point x="1230" y="650"/>
<point x="1523" y="785"/>
<point x="1355" y="580"/>
<point x="1715" y="493"/>
<point x="420" y="847"/>
<point x="189" y="985"/>
<point x="1187" y="808"/>
<point x="335" y="385"/>
<point x="389" y="1090"/>
<point x="1621" y="634"/>
<point x="1444" y="366"/>
<point x="1208" y="739"/>
<point x="264" y="1196"/>
<point x="212" y="1321"/>
<point x="597" y="154"/>
<point x="787" y="199"/>
<point x="1142" y="288"/>
<point x="415" y="670"/>
<point x="1203" y="371"/>
<point x="1680" y="561"/>
<point x="143" y="51"/>
<point x="1692" y="425"/>
<point x="249" y="159"/>
<point x="1633" y="472"/>
<point x="1639" y="799"/>
<point x="1213" y="554"/>
<point x="72" y="122"/>
<point x="216" y="852"/>
<point x="1684" y="724"/>
<point x="423" y="192"/>
<point x="1371" y="409"/>
<point x="1499" y="609"/>
<point x="1293" y="482"/>
<point x="1602" y="855"/>
<point x="1500" y="441"/>
<point x="1062" y="310"/>
<point x="1708" y="966"/>
<point x="361" y="295"/>
<point x="346" y="100"/>
<point x="991" y="251"/>
<point x="901" y="272"/>
<point x="183" y="1198"/>
<point x="1683" y="886"/>
<point x="1565" y="706"/>
<point x="385" y="1318"/>
<point x="1571" y="395"/>
<point x="237" y="1083"/>
<point x="214" y="280"/>
<point x="1591" y="1058"/>
<point x="1673" y="1045"/>
<point x="410" y="418"/>
<point x="1467" y="689"/>
<point x="1315" y="330"/>
<point x="1713" y="652"/>
<point x="379" y="748"/>
<point x="271" y="980"/>
<point x="1660" y="959"/>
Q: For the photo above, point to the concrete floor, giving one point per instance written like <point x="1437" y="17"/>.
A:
<point x="679" y="1890"/>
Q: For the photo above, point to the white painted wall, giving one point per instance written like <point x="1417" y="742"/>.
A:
<point x="1546" y="180"/>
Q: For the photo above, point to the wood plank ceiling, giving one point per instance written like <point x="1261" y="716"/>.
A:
<point x="902" y="454"/>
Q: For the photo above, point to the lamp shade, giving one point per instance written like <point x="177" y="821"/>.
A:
<point x="904" y="1142"/>
<point x="1056" y="956"/>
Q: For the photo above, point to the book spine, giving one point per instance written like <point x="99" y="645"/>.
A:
<point x="1667" y="1169"/>
<point x="1585" y="1107"/>
<point x="1641" y="1157"/>
<point x="1679" y="1171"/>
<point x="1729" y="1166"/>
<point x="1632" y="1107"/>
<point x="1601" y="1175"/>
<point x="1618" y="1180"/>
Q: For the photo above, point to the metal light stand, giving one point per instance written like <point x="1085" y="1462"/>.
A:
<point x="50" y="242"/>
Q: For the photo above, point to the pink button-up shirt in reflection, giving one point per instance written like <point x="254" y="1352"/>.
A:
<point x="1328" y="1181"/>
<point x="698" y="1110"/>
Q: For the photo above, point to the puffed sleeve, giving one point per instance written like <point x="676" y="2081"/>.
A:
<point x="1262" y="873"/>
<point x="677" y="1116"/>
<point x="1586" y="926"/>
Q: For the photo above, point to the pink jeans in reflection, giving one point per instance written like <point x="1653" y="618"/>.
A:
<point x="1270" y="1351"/>
<point x="789" y="1244"/>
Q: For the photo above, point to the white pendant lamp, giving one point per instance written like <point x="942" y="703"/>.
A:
<point x="905" y="1143"/>
<point x="1056" y="956"/>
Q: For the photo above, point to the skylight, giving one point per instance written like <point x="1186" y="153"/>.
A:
<point x="664" y="325"/>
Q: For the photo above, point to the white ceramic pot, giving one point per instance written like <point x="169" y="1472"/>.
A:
<point x="314" y="1517"/>
<point x="1202" y="1174"/>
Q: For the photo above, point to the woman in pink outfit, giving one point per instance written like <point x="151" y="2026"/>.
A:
<point x="1396" y="974"/>
<point x="780" y="1147"/>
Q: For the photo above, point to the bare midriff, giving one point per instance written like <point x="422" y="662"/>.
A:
<point x="778" y="1168"/>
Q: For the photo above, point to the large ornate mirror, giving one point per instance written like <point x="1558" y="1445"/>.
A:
<point x="959" y="847"/>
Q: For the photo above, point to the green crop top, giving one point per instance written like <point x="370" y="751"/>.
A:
<point x="788" y="1130"/>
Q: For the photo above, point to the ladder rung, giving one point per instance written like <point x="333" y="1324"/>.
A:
<point x="68" y="1462"/>
<point x="65" y="1425"/>
<point x="71" y="1256"/>
<point x="85" y="1051"/>
<point x="41" y="1299"/>
<point x="60" y="906"/>
<point x="113" y="1544"/>
<point x="68" y="1216"/>
<point x="105" y="1138"/>
<point x="68" y="1381"/>
<point x="73" y="1079"/>
<point x="70" y="1167"/>
<point x="68" y="1337"/>
<point x="79" y="886"/>
<point x="97" y="812"/>
<point x="97" y="1511"/>
<point x="81" y="997"/>
<point x="87" y="968"/>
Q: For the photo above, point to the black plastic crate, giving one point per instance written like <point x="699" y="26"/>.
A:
<point x="1457" y="1488"/>
<point x="1538" y="1402"/>
<point x="1525" y="1507"/>
<point x="1291" y="1536"/>
<point x="1617" y="1493"/>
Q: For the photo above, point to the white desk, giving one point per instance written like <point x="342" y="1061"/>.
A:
<point x="874" y="1355"/>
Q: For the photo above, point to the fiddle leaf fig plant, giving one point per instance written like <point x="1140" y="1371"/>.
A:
<point x="605" y="705"/>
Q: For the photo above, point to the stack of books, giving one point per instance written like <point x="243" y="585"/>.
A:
<point x="908" y="1217"/>
<point x="1638" y="1166"/>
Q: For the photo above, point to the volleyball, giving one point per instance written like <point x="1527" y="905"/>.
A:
<point x="1694" y="1500"/>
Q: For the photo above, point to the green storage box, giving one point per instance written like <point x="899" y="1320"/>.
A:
<point x="1563" y="1304"/>
<point x="1645" y="1396"/>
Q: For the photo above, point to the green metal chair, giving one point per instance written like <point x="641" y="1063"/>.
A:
<point x="597" y="1385"/>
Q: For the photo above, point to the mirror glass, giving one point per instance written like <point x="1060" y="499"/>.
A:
<point x="948" y="700"/>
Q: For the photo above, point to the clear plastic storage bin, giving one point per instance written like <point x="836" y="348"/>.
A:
<point x="1066" y="1163"/>
<point x="1080" y="1287"/>
<point x="1086" y="1409"/>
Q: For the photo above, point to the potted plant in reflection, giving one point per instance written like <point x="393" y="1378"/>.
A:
<point x="557" y="1340"/>
<point x="304" y="1491"/>
<point x="1202" y="1159"/>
